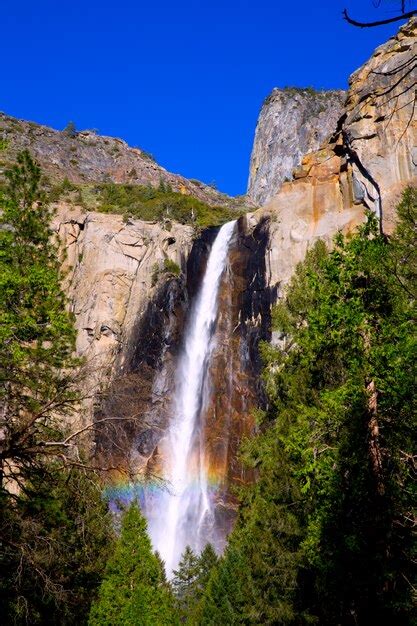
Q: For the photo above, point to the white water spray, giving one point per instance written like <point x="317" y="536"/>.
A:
<point x="184" y="515"/>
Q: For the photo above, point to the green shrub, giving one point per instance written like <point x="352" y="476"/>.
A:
<point x="170" y="267"/>
<point x="143" y="202"/>
<point x="155" y="274"/>
<point x="61" y="189"/>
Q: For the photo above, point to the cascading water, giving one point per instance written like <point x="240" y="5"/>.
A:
<point x="184" y="515"/>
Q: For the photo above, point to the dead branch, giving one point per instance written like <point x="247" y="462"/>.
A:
<point x="397" y="18"/>
<point x="65" y="443"/>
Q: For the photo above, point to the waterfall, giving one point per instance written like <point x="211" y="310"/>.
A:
<point x="183" y="514"/>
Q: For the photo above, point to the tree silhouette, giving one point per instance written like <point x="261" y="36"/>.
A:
<point x="404" y="15"/>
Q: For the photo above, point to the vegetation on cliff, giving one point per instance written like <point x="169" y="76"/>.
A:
<point x="37" y="333"/>
<point x="325" y="535"/>
<point x="144" y="202"/>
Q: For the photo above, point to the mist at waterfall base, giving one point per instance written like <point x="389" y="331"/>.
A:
<point x="180" y="507"/>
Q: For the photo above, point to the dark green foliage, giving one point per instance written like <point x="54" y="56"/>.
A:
<point x="229" y="593"/>
<point x="255" y="581"/>
<point x="403" y="256"/>
<point x="134" y="590"/>
<point x="207" y="561"/>
<point x="54" y="530"/>
<point x="37" y="334"/>
<point x="326" y="534"/>
<point x="55" y="540"/>
<point x="184" y="583"/>
<point x="190" y="581"/>
<point x="170" y="267"/>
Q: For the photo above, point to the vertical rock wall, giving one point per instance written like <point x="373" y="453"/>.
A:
<point x="243" y="321"/>
<point x="141" y="393"/>
<point x="292" y="122"/>
<point x="368" y="161"/>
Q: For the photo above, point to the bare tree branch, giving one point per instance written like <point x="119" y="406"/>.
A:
<point x="397" y="18"/>
<point x="65" y="443"/>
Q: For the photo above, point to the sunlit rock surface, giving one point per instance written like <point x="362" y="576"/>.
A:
<point x="87" y="157"/>
<point x="292" y="122"/>
<point x="368" y="161"/>
<point x="115" y="271"/>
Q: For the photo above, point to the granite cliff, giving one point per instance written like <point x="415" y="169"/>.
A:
<point x="291" y="123"/>
<point x="365" y="164"/>
<point x="130" y="309"/>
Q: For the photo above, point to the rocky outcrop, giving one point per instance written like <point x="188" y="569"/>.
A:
<point x="235" y="366"/>
<point x="367" y="162"/>
<point x="86" y="157"/>
<point x="379" y="133"/>
<point x="292" y="122"/>
<point x="115" y="273"/>
<point x="130" y="310"/>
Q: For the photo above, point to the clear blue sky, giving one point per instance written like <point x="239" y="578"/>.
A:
<point x="182" y="79"/>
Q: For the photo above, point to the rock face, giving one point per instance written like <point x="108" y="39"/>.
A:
<point x="367" y="162"/>
<point x="292" y="122"/>
<point x="380" y="130"/>
<point x="115" y="274"/>
<point x="86" y="157"/>
<point x="234" y="373"/>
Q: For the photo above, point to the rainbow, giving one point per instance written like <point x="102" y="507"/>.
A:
<point x="121" y="491"/>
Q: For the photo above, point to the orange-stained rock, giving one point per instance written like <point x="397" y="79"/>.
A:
<point x="370" y="159"/>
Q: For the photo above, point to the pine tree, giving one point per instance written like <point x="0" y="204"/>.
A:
<point x="55" y="539"/>
<point x="343" y="414"/>
<point x="53" y="535"/>
<point x="190" y="582"/>
<point x="133" y="591"/>
<point x="185" y="583"/>
<point x="36" y="331"/>
<point x="255" y="581"/>
<point x="206" y="563"/>
<point x="70" y="130"/>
